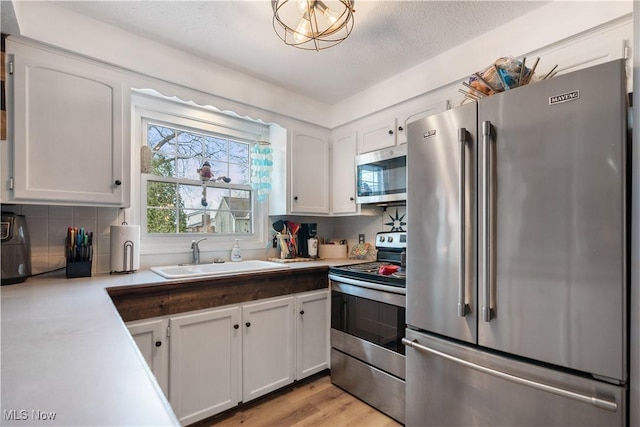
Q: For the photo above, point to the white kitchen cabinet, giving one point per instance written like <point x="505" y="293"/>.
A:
<point x="70" y="139"/>
<point x="267" y="347"/>
<point x="343" y="177"/>
<point x="388" y="131"/>
<point x="309" y="173"/>
<point x="205" y="363"/>
<point x="151" y="338"/>
<point x="312" y="333"/>
<point x="210" y="360"/>
<point x="377" y="135"/>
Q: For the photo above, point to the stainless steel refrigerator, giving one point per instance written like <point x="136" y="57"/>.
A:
<point x="517" y="257"/>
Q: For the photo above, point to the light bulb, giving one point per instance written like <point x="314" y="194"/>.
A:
<point x="303" y="30"/>
<point x="305" y="5"/>
<point x="331" y="16"/>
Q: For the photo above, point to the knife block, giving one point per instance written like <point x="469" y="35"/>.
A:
<point x="78" y="269"/>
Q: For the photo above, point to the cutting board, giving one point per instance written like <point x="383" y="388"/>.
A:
<point x="293" y="259"/>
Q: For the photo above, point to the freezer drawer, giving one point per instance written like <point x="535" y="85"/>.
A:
<point x="449" y="384"/>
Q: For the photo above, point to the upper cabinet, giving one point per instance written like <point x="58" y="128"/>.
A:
<point x="309" y="173"/>
<point x="388" y="131"/>
<point x="303" y="186"/>
<point x="343" y="178"/>
<point x="377" y="135"/>
<point x="70" y="139"/>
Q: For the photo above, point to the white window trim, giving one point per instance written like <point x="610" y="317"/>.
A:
<point x="190" y="116"/>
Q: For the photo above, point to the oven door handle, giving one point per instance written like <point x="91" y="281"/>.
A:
<point x="368" y="285"/>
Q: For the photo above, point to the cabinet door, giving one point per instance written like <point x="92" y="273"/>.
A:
<point x="343" y="178"/>
<point x="312" y="333"/>
<point x="268" y="347"/>
<point x="204" y="369"/>
<point x="69" y="134"/>
<point x="310" y="173"/>
<point x="376" y="136"/>
<point x="151" y="338"/>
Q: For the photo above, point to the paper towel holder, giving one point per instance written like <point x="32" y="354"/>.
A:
<point x="128" y="254"/>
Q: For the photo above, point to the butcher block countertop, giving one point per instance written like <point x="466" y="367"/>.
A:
<point x="68" y="359"/>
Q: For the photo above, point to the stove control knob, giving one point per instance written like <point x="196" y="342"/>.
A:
<point x="390" y="239"/>
<point x="381" y="238"/>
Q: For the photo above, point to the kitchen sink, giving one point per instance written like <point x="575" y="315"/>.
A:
<point x="216" y="269"/>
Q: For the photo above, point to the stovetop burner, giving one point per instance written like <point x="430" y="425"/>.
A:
<point x="369" y="267"/>
<point x="390" y="245"/>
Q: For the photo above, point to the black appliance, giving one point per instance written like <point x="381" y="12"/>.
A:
<point x="306" y="232"/>
<point x="368" y="325"/>
<point x="16" y="249"/>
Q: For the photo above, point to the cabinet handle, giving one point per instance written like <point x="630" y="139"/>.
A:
<point x="118" y="182"/>
<point x="400" y="128"/>
<point x="351" y="198"/>
<point x="301" y="312"/>
<point x="295" y="198"/>
<point x="248" y="324"/>
<point x="236" y="326"/>
<point x="158" y="343"/>
<point x="390" y="131"/>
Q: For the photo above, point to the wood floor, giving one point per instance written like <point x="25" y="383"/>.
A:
<point x="311" y="404"/>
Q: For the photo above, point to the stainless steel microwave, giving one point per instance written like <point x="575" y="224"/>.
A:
<point x="381" y="176"/>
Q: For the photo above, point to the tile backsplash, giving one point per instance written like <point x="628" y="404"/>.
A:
<point x="48" y="229"/>
<point x="394" y="219"/>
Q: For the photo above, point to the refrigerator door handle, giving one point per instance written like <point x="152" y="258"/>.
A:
<point x="584" y="398"/>
<point x="463" y="307"/>
<point x="487" y="312"/>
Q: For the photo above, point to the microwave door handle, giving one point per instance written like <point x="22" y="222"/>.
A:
<point x="487" y="205"/>
<point x="463" y="307"/>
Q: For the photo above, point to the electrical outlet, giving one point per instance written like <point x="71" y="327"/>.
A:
<point x="360" y="238"/>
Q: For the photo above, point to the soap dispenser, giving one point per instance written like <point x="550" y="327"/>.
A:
<point x="236" y="253"/>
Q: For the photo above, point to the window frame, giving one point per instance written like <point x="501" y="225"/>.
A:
<point x="207" y="120"/>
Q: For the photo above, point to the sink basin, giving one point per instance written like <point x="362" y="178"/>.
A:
<point x="215" y="269"/>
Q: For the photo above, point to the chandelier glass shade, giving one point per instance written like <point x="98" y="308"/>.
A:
<point x="313" y="24"/>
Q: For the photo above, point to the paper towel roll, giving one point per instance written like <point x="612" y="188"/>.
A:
<point x="125" y="248"/>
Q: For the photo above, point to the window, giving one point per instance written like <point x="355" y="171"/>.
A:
<point x="176" y="199"/>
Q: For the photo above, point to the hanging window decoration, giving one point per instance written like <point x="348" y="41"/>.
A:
<point x="206" y="175"/>
<point x="261" y="167"/>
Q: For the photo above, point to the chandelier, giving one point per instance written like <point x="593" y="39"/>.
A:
<point x="312" y="24"/>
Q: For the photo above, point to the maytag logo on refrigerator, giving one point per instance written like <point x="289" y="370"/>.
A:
<point x="429" y="134"/>
<point x="565" y="97"/>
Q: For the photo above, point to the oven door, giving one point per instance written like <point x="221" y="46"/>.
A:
<point x="367" y="354"/>
<point x="369" y="324"/>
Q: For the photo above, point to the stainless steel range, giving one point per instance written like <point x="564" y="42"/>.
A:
<point x="368" y="324"/>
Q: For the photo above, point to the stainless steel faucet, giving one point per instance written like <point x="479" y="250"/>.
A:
<point x="195" y="254"/>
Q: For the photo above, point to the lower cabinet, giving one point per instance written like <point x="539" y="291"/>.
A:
<point x="151" y="337"/>
<point x="267" y="347"/>
<point x="208" y="361"/>
<point x="204" y="363"/>
<point x="312" y="333"/>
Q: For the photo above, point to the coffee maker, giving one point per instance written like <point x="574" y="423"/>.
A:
<point x="16" y="249"/>
<point x="307" y="231"/>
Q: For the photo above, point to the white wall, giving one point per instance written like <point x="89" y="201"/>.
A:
<point x="48" y="23"/>
<point x="527" y="35"/>
<point x="539" y="29"/>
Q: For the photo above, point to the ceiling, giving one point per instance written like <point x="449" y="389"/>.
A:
<point x="388" y="37"/>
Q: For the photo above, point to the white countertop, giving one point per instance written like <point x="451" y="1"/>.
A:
<point x="65" y="350"/>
